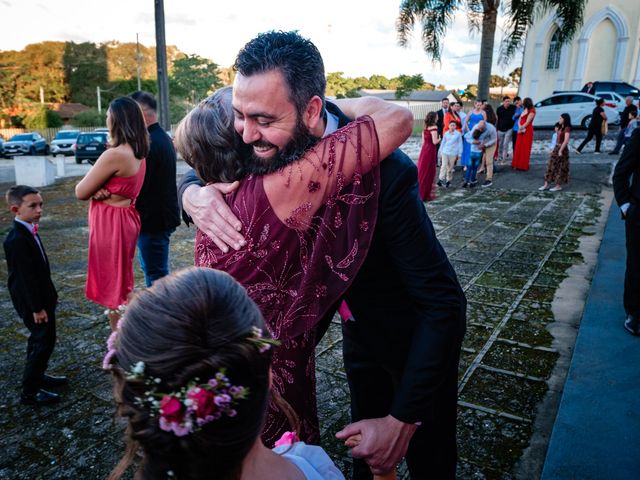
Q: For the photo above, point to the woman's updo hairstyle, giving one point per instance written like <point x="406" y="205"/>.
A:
<point x="190" y="325"/>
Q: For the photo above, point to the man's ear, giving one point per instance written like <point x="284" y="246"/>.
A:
<point x="13" y="209"/>
<point x="312" y="115"/>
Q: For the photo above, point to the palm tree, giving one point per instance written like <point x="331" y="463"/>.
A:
<point x="435" y="17"/>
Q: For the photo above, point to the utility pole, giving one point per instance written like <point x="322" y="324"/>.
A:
<point x="42" y="95"/>
<point x="99" y="102"/>
<point x="138" y="60"/>
<point x="161" y="65"/>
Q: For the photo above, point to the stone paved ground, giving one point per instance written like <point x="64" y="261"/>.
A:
<point x="511" y="246"/>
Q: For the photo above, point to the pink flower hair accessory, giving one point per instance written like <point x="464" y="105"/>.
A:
<point x="185" y="411"/>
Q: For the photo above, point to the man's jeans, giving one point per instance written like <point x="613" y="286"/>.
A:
<point x="153" y="250"/>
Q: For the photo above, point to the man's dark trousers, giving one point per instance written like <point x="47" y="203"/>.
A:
<point x="631" y="297"/>
<point x="153" y="252"/>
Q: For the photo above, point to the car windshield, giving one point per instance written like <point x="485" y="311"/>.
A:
<point x="21" y="138"/>
<point x="66" y="135"/>
<point x="85" y="138"/>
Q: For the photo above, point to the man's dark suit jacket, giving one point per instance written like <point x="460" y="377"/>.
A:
<point x="440" y="121"/>
<point x="157" y="202"/>
<point x="408" y="294"/>
<point x="627" y="167"/>
<point x="30" y="284"/>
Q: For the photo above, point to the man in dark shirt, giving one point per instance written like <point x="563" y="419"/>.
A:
<point x="158" y="198"/>
<point x="624" y="122"/>
<point x="505" y="113"/>
<point x="595" y="127"/>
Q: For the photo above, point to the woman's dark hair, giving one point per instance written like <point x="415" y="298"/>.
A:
<point x="296" y="57"/>
<point x="190" y="325"/>
<point x="127" y="126"/>
<point x="599" y="101"/>
<point x="207" y="140"/>
<point x="566" y="121"/>
<point x="491" y="114"/>
<point x="431" y="119"/>
<point x="527" y="103"/>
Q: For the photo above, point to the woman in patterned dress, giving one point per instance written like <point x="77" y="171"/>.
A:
<point x="308" y="226"/>
<point x="558" y="166"/>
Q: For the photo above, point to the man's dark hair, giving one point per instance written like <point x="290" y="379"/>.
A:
<point x="599" y="101"/>
<point x="516" y="99"/>
<point x="294" y="56"/>
<point x="16" y="193"/>
<point x="146" y="99"/>
<point x="445" y="98"/>
<point x="506" y="98"/>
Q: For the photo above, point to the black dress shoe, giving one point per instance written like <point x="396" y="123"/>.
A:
<point x="632" y="325"/>
<point x="41" y="398"/>
<point x="52" y="381"/>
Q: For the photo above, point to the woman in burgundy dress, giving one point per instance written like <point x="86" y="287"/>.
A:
<point x="308" y="228"/>
<point x="427" y="158"/>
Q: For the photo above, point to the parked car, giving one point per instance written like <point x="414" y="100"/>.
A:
<point x="621" y="88"/>
<point x="577" y="104"/>
<point x="63" y="142"/>
<point x="613" y="100"/>
<point x="89" y="146"/>
<point x="26" y="144"/>
<point x="1" y="147"/>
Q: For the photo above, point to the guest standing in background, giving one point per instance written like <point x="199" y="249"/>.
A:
<point x="598" y="117"/>
<point x="525" y="136"/>
<point x="469" y="122"/>
<point x="440" y="123"/>
<point x="505" y="113"/>
<point x="427" y="158"/>
<point x="450" y="151"/>
<point x="516" y="117"/>
<point x="453" y="115"/>
<point x="114" y="223"/>
<point x="625" y="118"/>
<point x="158" y="199"/>
<point x="558" y="166"/>
<point x="626" y="187"/>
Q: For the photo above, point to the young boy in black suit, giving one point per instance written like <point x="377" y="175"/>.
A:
<point x="33" y="293"/>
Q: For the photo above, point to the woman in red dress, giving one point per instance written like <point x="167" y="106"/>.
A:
<point x="525" y="136"/>
<point x="427" y="158"/>
<point x="113" y="184"/>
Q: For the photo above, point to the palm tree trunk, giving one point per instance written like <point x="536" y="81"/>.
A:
<point x="489" y="22"/>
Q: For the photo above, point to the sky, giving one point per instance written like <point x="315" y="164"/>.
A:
<point x="356" y="37"/>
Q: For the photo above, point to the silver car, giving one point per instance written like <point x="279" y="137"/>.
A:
<point x="64" y="142"/>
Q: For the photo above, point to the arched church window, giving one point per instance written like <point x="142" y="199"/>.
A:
<point x="553" y="58"/>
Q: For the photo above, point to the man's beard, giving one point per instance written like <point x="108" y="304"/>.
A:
<point x="300" y="142"/>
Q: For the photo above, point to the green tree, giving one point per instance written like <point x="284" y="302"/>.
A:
<point x="436" y="16"/>
<point x="42" y="117"/>
<point x="498" y="81"/>
<point x="194" y="78"/>
<point x="514" y="76"/>
<point x="85" y="66"/>
<point x="471" y="92"/>
<point x="90" y="118"/>
<point x="378" y="82"/>
<point x="408" y="84"/>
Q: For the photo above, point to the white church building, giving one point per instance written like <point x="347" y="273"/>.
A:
<point x="606" y="48"/>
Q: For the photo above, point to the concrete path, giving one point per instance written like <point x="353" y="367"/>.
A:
<point x="597" y="431"/>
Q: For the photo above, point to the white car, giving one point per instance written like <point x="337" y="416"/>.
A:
<point x="64" y="142"/>
<point x="613" y="100"/>
<point x="578" y="105"/>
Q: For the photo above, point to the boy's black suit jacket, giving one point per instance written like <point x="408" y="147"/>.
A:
<point x="30" y="282"/>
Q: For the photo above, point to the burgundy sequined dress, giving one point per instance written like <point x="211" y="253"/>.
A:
<point x="308" y="229"/>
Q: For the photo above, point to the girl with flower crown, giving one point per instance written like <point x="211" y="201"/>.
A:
<point x="192" y="375"/>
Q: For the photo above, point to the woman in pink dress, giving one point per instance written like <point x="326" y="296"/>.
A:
<point x="308" y="228"/>
<point x="427" y="158"/>
<point x="112" y="185"/>
<point x="522" y="153"/>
